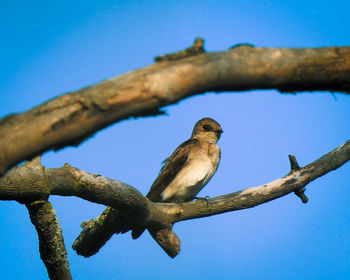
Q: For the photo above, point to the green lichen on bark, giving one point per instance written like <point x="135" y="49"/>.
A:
<point x="51" y="246"/>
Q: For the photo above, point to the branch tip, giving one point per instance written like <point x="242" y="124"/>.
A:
<point x="300" y="193"/>
<point x="198" y="43"/>
<point x="293" y="163"/>
<point x="36" y="161"/>
<point x="196" y="48"/>
<point x="66" y="165"/>
<point x="166" y="239"/>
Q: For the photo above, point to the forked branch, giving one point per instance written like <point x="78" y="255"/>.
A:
<point x="133" y="209"/>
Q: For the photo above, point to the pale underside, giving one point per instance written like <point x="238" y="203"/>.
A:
<point x="189" y="181"/>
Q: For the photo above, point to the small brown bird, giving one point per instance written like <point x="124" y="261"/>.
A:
<point x="189" y="168"/>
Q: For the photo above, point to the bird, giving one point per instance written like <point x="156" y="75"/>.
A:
<point x="189" y="168"/>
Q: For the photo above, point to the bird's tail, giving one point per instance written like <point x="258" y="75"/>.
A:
<point x="136" y="232"/>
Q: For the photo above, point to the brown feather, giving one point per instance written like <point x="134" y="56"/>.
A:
<point x="170" y="169"/>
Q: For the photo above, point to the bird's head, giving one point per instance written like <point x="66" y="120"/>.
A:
<point x="208" y="129"/>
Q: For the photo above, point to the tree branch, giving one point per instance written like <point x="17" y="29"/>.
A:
<point x="30" y="182"/>
<point x="251" y="197"/>
<point x="133" y="209"/>
<point x="98" y="231"/>
<point x="170" y="213"/>
<point x="51" y="246"/>
<point x="70" y="118"/>
<point x="42" y="215"/>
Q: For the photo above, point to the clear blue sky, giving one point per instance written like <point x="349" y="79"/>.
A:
<point x="51" y="47"/>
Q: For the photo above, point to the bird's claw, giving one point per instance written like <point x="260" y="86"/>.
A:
<point x="206" y="198"/>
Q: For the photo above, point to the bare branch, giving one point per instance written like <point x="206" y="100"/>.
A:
<point x="252" y="197"/>
<point x="293" y="163"/>
<point x="51" y="246"/>
<point x="20" y="184"/>
<point x="98" y="231"/>
<point x="133" y="209"/>
<point x="71" y="118"/>
<point x="301" y="191"/>
<point x="170" y="213"/>
<point x="167" y="239"/>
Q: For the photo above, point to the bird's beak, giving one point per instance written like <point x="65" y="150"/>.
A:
<point x="218" y="132"/>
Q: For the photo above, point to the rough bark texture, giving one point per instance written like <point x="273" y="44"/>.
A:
<point x="72" y="117"/>
<point x="98" y="231"/>
<point x="167" y="239"/>
<point x="161" y="215"/>
<point x="135" y="210"/>
<point x="20" y="184"/>
<point x="51" y="246"/>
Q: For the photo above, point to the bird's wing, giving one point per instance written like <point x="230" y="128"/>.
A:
<point x="172" y="166"/>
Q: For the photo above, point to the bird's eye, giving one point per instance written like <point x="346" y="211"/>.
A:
<point x="207" y="127"/>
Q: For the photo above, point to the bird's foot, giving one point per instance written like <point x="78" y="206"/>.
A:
<point x="206" y="198"/>
<point x="178" y="201"/>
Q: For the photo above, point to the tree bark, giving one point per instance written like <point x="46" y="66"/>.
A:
<point x="51" y="246"/>
<point x="98" y="231"/>
<point x="70" y="118"/>
<point x="134" y="209"/>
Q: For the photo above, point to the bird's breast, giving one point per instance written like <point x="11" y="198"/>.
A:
<point x="214" y="155"/>
<point x="190" y="180"/>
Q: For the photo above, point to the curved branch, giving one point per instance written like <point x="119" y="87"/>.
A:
<point x="71" y="118"/>
<point x="31" y="181"/>
<point x="133" y="209"/>
<point x="98" y="231"/>
<point x="170" y="213"/>
<point x="251" y="197"/>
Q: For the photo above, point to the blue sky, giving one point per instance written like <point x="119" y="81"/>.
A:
<point x="52" y="47"/>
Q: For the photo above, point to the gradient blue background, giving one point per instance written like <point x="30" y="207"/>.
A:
<point x="51" y="47"/>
